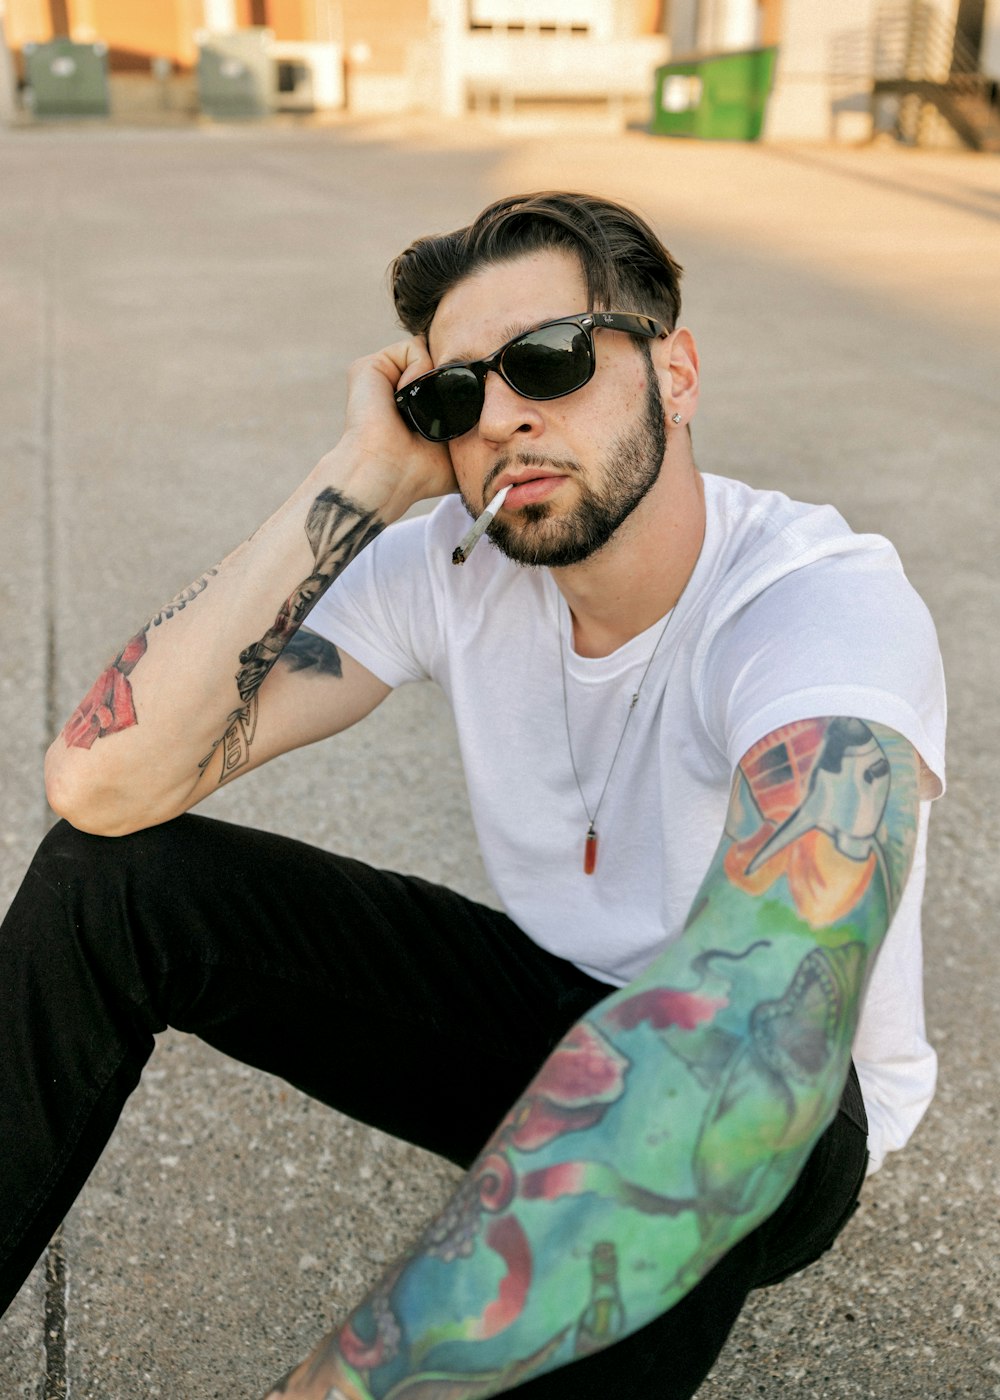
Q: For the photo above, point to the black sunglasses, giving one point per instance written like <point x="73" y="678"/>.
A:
<point x="554" y="359"/>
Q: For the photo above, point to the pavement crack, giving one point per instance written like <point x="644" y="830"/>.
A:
<point x="55" y="1384"/>
<point x="47" y="436"/>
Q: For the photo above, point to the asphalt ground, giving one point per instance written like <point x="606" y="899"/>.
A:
<point x="178" y="310"/>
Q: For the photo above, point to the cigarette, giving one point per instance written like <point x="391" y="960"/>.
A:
<point x="468" y="542"/>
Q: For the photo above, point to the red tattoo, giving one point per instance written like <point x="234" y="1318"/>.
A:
<point x="573" y="1090"/>
<point x="107" y="707"/>
<point x="663" y="1007"/>
<point x="506" y="1238"/>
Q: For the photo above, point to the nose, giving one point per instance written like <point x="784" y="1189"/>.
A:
<point x="505" y="413"/>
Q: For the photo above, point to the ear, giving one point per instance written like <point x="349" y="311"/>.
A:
<point x="675" y="360"/>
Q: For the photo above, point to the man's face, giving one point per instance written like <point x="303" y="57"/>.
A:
<point x="580" y="464"/>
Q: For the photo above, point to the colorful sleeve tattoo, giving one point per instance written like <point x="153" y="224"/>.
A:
<point x="677" y="1115"/>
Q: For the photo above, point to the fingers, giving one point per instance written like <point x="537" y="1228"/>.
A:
<point x="374" y="423"/>
<point x="373" y="379"/>
<point x="403" y="361"/>
<point x="411" y="357"/>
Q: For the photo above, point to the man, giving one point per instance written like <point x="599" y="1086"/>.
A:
<point x="699" y="724"/>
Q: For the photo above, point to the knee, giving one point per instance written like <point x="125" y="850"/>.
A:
<point x="94" y="912"/>
<point x="67" y="858"/>
<point x="69" y="853"/>
<point x="65" y="844"/>
<point x="96" y="887"/>
<point x="77" y="944"/>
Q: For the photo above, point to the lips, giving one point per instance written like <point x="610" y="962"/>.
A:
<point x="530" y="489"/>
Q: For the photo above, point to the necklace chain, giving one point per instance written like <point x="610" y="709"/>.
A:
<point x="590" y="844"/>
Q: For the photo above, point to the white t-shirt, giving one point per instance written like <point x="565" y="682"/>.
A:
<point x="788" y="615"/>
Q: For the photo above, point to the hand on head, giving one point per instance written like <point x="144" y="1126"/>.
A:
<point x="374" y="426"/>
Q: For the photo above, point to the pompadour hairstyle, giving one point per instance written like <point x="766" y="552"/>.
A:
<point x="625" y="265"/>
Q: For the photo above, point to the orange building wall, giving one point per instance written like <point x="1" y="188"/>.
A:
<point x="294" y="19"/>
<point x="290" y="19"/>
<point x="770" y="21"/>
<point x="27" y="22"/>
<point x="388" y="27"/>
<point x="133" y="32"/>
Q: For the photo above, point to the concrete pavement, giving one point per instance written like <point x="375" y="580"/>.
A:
<point x="179" y="311"/>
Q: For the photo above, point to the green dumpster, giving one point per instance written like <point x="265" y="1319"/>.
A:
<point x="718" y="97"/>
<point x="237" y="74"/>
<point x="67" y="79"/>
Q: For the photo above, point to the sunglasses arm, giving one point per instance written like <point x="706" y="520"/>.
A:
<point x="630" y="321"/>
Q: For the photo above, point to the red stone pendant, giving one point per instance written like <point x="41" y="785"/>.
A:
<point x="590" y="851"/>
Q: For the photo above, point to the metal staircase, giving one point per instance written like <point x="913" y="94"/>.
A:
<point x="922" y="59"/>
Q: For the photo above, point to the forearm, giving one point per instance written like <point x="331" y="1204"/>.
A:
<point x="656" y="1136"/>
<point x="190" y="676"/>
<point x="669" y="1122"/>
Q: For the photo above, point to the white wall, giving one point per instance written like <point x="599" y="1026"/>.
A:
<point x="800" y="105"/>
<point x="220" y="15"/>
<point x="596" y="15"/>
<point x="740" y="27"/>
<point x="456" y="60"/>
<point x="727" y="25"/>
<point x="989" y="56"/>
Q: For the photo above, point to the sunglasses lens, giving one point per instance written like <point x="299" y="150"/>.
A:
<point x="544" y="364"/>
<point x="447" y="403"/>
<point x="549" y="362"/>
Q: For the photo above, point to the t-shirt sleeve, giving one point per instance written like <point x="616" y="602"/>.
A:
<point x="843" y="636"/>
<point x="381" y="609"/>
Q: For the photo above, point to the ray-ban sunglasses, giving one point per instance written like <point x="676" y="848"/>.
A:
<point x="554" y="359"/>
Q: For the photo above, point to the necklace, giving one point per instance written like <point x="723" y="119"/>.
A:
<point x="590" y="845"/>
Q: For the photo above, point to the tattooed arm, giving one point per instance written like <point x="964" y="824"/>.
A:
<point x="677" y="1115"/>
<point x="198" y="696"/>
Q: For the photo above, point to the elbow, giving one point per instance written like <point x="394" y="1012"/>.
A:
<point x="86" y="802"/>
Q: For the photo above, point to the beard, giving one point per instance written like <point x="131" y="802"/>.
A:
<point x="539" y="537"/>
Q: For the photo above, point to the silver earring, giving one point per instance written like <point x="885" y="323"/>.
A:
<point x="675" y="417"/>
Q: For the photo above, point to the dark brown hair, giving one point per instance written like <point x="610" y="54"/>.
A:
<point x="625" y="265"/>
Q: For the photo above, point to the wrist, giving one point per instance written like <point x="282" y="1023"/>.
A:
<point x="377" y="481"/>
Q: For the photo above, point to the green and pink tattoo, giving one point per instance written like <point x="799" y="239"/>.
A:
<point x="677" y="1115"/>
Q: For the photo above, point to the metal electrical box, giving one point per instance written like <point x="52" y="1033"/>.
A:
<point x="237" y="74"/>
<point x="66" y="79"/>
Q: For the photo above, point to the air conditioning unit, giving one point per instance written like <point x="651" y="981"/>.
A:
<point x="310" y="77"/>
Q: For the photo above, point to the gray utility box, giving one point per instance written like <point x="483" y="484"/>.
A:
<point x="237" y="74"/>
<point x="67" y="79"/>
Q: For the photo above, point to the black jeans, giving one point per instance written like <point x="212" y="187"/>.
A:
<point x="396" y="1001"/>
